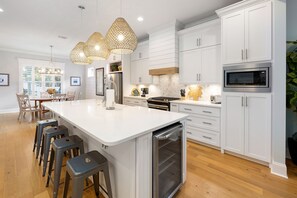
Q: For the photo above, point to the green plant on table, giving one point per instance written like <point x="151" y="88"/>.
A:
<point x="292" y="80"/>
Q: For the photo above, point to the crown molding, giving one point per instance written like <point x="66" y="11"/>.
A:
<point x="238" y="6"/>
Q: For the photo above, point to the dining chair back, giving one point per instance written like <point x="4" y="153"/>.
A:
<point x="70" y="95"/>
<point x="59" y="97"/>
<point x="25" y="106"/>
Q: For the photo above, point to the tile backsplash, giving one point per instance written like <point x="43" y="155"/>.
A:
<point x="168" y="85"/>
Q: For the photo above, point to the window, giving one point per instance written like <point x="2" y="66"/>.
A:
<point x="33" y="83"/>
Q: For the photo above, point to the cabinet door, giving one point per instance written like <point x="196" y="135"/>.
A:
<point x="190" y="66"/>
<point x="233" y="38"/>
<point x="145" y="78"/>
<point x="233" y="122"/>
<point x="258" y="32"/>
<point x="258" y="126"/>
<point x="189" y="41"/>
<point x="134" y="73"/>
<point x="211" y="36"/>
<point x="141" y="52"/>
<point x="211" y="64"/>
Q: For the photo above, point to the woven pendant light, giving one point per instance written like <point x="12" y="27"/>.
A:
<point x="77" y="55"/>
<point x="120" y="37"/>
<point x="96" y="47"/>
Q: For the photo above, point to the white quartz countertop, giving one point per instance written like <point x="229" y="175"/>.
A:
<point x="199" y="103"/>
<point x="112" y="127"/>
<point x="137" y="97"/>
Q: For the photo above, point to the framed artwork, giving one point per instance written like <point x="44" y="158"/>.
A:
<point x="75" y="81"/>
<point x="4" y="79"/>
<point x="100" y="82"/>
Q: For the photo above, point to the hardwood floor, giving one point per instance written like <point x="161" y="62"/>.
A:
<point x="209" y="173"/>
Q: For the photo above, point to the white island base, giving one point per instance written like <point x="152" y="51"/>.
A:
<point x="130" y="157"/>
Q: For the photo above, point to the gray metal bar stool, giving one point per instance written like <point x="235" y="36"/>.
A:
<point x="40" y="125"/>
<point x="48" y="134"/>
<point x="83" y="166"/>
<point x="59" y="146"/>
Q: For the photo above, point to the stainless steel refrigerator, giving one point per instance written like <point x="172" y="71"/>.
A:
<point x="115" y="81"/>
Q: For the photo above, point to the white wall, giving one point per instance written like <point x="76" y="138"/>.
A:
<point x="9" y="64"/>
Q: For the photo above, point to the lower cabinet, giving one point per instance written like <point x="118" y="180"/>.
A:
<point x="246" y="124"/>
<point x="135" y="102"/>
<point x="203" y="123"/>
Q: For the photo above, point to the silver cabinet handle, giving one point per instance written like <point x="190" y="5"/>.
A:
<point x="197" y="42"/>
<point x="189" y="120"/>
<point x="186" y="109"/>
<point x="242" y="101"/>
<point x="197" y="77"/>
<point x="189" y="132"/>
<point x="206" y="137"/>
<point x="242" y="52"/>
<point x="140" y="55"/>
<point x="246" y="101"/>
<point x="208" y="123"/>
<point x="140" y="79"/>
<point x="114" y="57"/>
<point x="206" y="111"/>
<point x="246" y="54"/>
<point x="174" y="105"/>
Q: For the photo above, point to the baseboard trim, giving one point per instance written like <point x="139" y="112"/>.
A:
<point x="279" y="169"/>
<point x="14" y="110"/>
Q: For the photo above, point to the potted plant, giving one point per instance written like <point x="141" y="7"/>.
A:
<point x="291" y="99"/>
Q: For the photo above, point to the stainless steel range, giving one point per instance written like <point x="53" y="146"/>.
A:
<point x="161" y="103"/>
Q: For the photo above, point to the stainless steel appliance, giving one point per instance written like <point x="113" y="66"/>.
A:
<point x="248" y="78"/>
<point x="161" y="103"/>
<point x="167" y="160"/>
<point x="117" y="85"/>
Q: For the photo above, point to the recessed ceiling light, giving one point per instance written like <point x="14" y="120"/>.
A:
<point x="140" y="19"/>
<point x="1" y="10"/>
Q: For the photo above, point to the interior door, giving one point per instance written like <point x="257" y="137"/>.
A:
<point x="233" y="38"/>
<point x="233" y="122"/>
<point x="190" y="66"/>
<point x="258" y="126"/>
<point x="258" y="32"/>
<point x="211" y="64"/>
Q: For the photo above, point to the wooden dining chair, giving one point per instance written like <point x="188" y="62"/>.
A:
<point x="26" y="107"/>
<point x="59" y="97"/>
<point x="70" y="95"/>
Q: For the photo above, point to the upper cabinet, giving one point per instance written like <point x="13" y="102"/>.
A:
<point x="114" y="58"/>
<point x="204" y="35"/>
<point x="247" y="34"/>
<point x="140" y="65"/>
<point x="200" y="54"/>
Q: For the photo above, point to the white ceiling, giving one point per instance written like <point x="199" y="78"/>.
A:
<point x="33" y="25"/>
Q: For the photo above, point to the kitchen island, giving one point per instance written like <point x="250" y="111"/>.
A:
<point x="123" y="136"/>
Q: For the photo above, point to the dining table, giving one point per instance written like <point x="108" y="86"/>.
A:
<point x="38" y="103"/>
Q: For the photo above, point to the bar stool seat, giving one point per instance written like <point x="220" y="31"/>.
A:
<point x="59" y="146"/>
<point x="40" y="125"/>
<point x="83" y="166"/>
<point x="48" y="134"/>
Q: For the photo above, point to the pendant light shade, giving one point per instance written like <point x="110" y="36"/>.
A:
<point x="96" y="47"/>
<point x="120" y="37"/>
<point x="77" y="55"/>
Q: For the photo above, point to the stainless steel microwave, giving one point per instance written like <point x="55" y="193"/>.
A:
<point x="248" y="78"/>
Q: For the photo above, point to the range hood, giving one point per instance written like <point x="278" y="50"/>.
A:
<point x="163" y="49"/>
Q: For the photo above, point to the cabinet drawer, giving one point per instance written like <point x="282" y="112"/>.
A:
<point x="174" y="107"/>
<point x="208" y="111"/>
<point x="135" y="102"/>
<point x="204" y="122"/>
<point x="204" y="136"/>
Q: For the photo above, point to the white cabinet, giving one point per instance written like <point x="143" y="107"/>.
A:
<point x="204" y="35"/>
<point x="247" y="34"/>
<point x="142" y="102"/>
<point x="140" y="65"/>
<point x="140" y="72"/>
<point x="203" y="124"/>
<point x="201" y="65"/>
<point x="246" y="124"/>
<point x="114" y="58"/>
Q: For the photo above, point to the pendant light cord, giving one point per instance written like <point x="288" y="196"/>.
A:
<point x="121" y="7"/>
